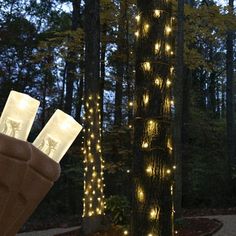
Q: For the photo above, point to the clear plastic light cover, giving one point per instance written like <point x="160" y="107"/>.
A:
<point x="18" y="115"/>
<point x="58" y="135"/>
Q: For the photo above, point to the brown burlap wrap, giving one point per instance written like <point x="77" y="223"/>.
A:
<point x="26" y="176"/>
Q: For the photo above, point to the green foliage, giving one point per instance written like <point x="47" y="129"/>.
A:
<point x="118" y="208"/>
<point x="207" y="182"/>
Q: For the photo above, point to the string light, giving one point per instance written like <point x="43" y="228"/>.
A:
<point x="157" y="13"/>
<point x="146" y="66"/>
<point x="168" y="48"/>
<point x="168" y="30"/>
<point x="126" y="232"/>
<point x="144" y="145"/>
<point x="136" y="34"/>
<point x="154" y="214"/>
<point x="157" y="47"/>
<point x="145" y="99"/>
<point x="168" y="83"/>
<point x="150" y="171"/>
<point x="146" y="28"/>
<point x="94" y="203"/>
<point x="138" y="18"/>
<point x="140" y="194"/>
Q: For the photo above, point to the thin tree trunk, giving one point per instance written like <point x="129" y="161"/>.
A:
<point x="72" y="60"/>
<point x="230" y="93"/>
<point x="178" y="95"/>
<point x="120" y="66"/>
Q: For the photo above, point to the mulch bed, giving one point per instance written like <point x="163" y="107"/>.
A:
<point x="197" y="227"/>
<point x="185" y="227"/>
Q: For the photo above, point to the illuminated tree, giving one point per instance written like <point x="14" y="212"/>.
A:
<point x="93" y="185"/>
<point x="153" y="163"/>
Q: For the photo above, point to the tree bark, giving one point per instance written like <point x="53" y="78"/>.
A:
<point x="120" y="66"/>
<point x="152" y="209"/>
<point x="93" y="186"/>
<point x="71" y="62"/>
<point x="178" y="119"/>
<point x="230" y="93"/>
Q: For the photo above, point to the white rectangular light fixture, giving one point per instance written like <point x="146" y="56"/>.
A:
<point x="18" y="115"/>
<point x="57" y="135"/>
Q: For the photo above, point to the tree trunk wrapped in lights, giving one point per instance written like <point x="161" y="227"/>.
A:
<point x="153" y="163"/>
<point x="93" y="185"/>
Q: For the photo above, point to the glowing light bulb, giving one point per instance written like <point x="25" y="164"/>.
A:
<point x="158" y="81"/>
<point x="146" y="66"/>
<point x="168" y="30"/>
<point x="154" y="214"/>
<point x="126" y="232"/>
<point x="157" y="47"/>
<point x="145" y="99"/>
<point x="140" y="194"/>
<point x="157" y="13"/>
<point x="144" y="145"/>
<point x="138" y="18"/>
<point x="168" y="83"/>
<point x="149" y="170"/>
<point x="168" y="47"/>
<point x="168" y="171"/>
<point x="58" y="135"/>
<point x="18" y="115"/>
<point x="136" y="34"/>
<point x="146" y="28"/>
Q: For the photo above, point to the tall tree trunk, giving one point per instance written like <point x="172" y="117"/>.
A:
<point x="93" y="186"/>
<point x="230" y="93"/>
<point x="103" y="68"/>
<point x="120" y="65"/>
<point x="152" y="212"/>
<point x="178" y="121"/>
<point x="71" y="61"/>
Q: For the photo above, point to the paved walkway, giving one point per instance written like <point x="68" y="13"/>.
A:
<point x="229" y="225"/>
<point x="49" y="232"/>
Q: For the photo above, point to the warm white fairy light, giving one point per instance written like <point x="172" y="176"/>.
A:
<point x="146" y="28"/>
<point x="145" y="99"/>
<point x="126" y="232"/>
<point x="150" y="170"/>
<point x="168" y="83"/>
<point x="94" y="198"/>
<point x="140" y="194"/>
<point x="57" y="135"/>
<point x="157" y="47"/>
<point x="136" y="34"/>
<point x="168" y="48"/>
<point x="145" y="144"/>
<point x="18" y="115"/>
<point x="146" y="66"/>
<point x="168" y="30"/>
<point x="138" y="18"/>
<point x="157" y="13"/>
<point x="154" y="214"/>
<point x="158" y="81"/>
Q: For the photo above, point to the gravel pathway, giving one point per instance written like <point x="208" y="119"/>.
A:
<point x="229" y="225"/>
<point x="49" y="232"/>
